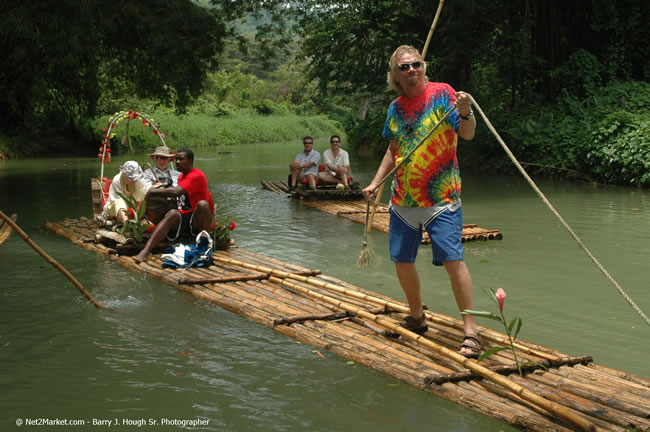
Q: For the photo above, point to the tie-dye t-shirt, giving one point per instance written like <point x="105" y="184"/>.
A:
<point x="431" y="177"/>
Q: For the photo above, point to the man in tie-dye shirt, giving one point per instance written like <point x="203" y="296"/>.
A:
<point x="426" y="188"/>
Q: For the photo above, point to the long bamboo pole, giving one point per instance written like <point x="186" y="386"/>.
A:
<point x="52" y="261"/>
<point x="433" y="26"/>
<point x="364" y="256"/>
<point x="552" y="407"/>
<point x="380" y="191"/>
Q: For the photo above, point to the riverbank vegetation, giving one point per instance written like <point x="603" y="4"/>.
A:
<point x="564" y="83"/>
<point x="201" y="129"/>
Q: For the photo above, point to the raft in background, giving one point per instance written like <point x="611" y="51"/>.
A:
<point x="272" y="293"/>
<point x="355" y="210"/>
<point x="323" y="192"/>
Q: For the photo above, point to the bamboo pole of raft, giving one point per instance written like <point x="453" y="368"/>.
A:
<point x="488" y="334"/>
<point x="369" y="298"/>
<point x="192" y="281"/>
<point x="404" y="309"/>
<point x="552" y="407"/>
<point x="52" y="261"/>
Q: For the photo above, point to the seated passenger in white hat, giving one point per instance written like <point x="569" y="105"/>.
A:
<point x="161" y="173"/>
<point x="130" y="182"/>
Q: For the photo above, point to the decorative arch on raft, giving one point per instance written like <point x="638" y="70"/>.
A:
<point x="109" y="132"/>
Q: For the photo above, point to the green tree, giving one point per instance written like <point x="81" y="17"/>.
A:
<point x="58" y="56"/>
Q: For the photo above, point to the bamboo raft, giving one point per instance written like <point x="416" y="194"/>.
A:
<point x="572" y="393"/>
<point x="328" y="192"/>
<point x="356" y="212"/>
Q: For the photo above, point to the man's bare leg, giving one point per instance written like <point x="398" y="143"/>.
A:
<point x="171" y="221"/>
<point x="343" y="177"/>
<point x="312" y="181"/>
<point x="327" y="178"/>
<point x="201" y="217"/>
<point x="461" y="284"/>
<point x="409" y="280"/>
<point x="295" y="169"/>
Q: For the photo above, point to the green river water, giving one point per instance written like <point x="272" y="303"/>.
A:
<point x="158" y="353"/>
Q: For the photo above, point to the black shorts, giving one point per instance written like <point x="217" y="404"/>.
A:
<point x="185" y="227"/>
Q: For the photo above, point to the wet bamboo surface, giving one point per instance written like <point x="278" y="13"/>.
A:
<point x="603" y="398"/>
<point x="355" y="210"/>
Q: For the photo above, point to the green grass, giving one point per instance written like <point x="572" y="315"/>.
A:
<point x="196" y="130"/>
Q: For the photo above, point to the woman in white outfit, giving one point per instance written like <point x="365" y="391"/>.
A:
<point x="337" y="164"/>
<point x="129" y="181"/>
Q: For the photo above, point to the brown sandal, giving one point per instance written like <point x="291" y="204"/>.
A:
<point x="418" y="326"/>
<point x="473" y="344"/>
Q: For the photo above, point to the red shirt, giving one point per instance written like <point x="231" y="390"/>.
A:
<point x="196" y="185"/>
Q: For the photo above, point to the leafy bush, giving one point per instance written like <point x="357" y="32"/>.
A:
<point x="263" y="107"/>
<point x="224" y="109"/>
<point x="584" y="83"/>
<point x="604" y="136"/>
<point x="620" y="150"/>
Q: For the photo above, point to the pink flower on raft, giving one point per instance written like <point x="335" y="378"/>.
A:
<point x="501" y="298"/>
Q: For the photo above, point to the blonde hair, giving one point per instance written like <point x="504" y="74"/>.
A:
<point x="393" y="64"/>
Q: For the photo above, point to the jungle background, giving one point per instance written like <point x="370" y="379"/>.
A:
<point x="564" y="82"/>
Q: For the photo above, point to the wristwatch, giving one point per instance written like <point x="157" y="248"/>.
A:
<point x="469" y="115"/>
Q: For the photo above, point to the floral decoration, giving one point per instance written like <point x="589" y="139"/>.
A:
<point x="109" y="132"/>
<point x="222" y="230"/>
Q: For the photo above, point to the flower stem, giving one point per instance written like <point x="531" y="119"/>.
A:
<point x="512" y="345"/>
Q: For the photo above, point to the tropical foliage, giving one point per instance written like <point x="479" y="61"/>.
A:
<point x="60" y="58"/>
<point x="136" y="224"/>
<point x="564" y="81"/>
<point x="547" y="74"/>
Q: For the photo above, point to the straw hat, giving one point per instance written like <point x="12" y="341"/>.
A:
<point x="162" y="151"/>
<point x="132" y="171"/>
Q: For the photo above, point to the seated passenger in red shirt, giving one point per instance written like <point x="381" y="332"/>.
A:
<point x="195" y="207"/>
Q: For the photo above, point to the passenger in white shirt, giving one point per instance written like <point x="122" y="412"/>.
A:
<point x="337" y="164"/>
<point x="161" y="173"/>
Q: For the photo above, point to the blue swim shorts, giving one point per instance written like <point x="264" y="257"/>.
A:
<point x="444" y="228"/>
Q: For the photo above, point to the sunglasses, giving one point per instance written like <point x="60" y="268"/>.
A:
<point x="405" y="66"/>
<point x="307" y="142"/>
<point x="334" y="142"/>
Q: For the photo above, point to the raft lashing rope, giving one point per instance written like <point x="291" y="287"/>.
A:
<point x="364" y="258"/>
